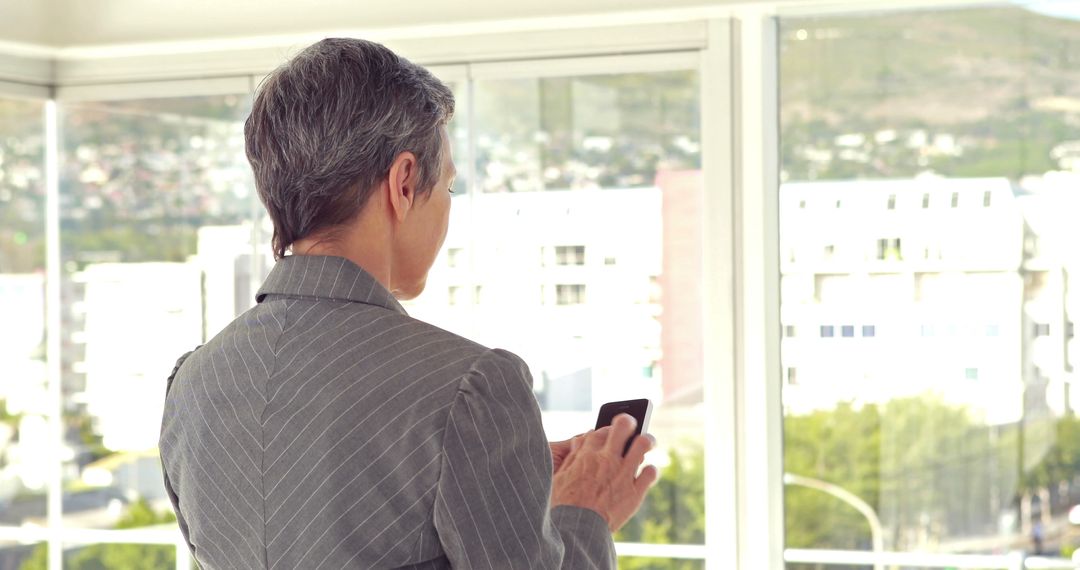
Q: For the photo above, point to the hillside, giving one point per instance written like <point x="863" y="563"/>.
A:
<point x="1003" y="84"/>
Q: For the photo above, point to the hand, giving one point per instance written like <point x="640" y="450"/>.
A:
<point x="596" y="476"/>
<point x="561" y="449"/>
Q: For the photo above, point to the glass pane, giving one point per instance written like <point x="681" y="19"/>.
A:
<point x="585" y="132"/>
<point x="157" y="203"/>
<point x="24" y="401"/>
<point x="128" y="556"/>
<point x="928" y="204"/>
<point x="641" y="563"/>
<point x="24" y="556"/>
<point x="596" y="289"/>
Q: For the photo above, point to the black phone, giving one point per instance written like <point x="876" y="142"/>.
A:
<point x="640" y="409"/>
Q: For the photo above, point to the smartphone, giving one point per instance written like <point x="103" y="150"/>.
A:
<point x="641" y="410"/>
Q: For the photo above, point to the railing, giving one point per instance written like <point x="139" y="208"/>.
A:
<point x="1010" y="561"/>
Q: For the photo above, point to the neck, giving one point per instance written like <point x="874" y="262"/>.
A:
<point x="365" y="244"/>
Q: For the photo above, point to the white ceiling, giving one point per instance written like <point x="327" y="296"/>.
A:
<point x="90" y="23"/>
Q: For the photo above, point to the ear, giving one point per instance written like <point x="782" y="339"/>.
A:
<point x="402" y="183"/>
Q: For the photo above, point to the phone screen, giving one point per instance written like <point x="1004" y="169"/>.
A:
<point x="639" y="409"/>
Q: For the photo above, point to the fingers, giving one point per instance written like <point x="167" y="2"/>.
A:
<point x="646" y="479"/>
<point x="595" y="439"/>
<point x="622" y="427"/>
<point x="642" y="444"/>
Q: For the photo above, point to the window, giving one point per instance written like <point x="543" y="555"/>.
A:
<point x="869" y="331"/>
<point x="892" y="202"/>
<point x="156" y="241"/>
<point x="24" y="398"/>
<point x="554" y="154"/>
<point x="792" y="379"/>
<point x="888" y="249"/>
<point x="827" y="331"/>
<point x="454" y="295"/>
<point x="789" y="331"/>
<point x="570" y="255"/>
<point x="455" y="256"/>
<point x="569" y="294"/>
<point x="933" y="134"/>
<point x="847" y="331"/>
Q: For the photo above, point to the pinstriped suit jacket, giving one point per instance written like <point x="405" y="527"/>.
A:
<point x="325" y="428"/>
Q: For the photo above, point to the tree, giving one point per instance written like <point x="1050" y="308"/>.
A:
<point x="673" y="512"/>
<point x="117" y="556"/>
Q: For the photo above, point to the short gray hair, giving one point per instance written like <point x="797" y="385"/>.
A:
<point x="326" y="127"/>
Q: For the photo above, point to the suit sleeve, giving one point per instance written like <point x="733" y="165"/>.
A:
<point x="173" y="498"/>
<point x="493" y="497"/>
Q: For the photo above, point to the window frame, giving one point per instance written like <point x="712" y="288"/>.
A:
<point x="734" y="48"/>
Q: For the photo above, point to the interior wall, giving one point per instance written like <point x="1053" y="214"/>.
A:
<point x="87" y="23"/>
<point x="26" y="21"/>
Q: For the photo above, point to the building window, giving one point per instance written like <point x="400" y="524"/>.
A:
<point x="570" y="255"/>
<point x="888" y="249"/>
<point x="792" y="378"/>
<point x="455" y="295"/>
<point x="892" y="202"/>
<point x="847" y="331"/>
<point x="455" y="256"/>
<point x="1069" y="330"/>
<point x="827" y="331"/>
<point x="971" y="373"/>
<point x="789" y="331"/>
<point x="1042" y="329"/>
<point x="609" y="261"/>
<point x="986" y="199"/>
<point x="802" y="204"/>
<point x="993" y="330"/>
<point x="655" y="290"/>
<point x="476" y="293"/>
<point x="925" y="201"/>
<point x="570" y="294"/>
<point x="955" y="201"/>
<point x="869" y="331"/>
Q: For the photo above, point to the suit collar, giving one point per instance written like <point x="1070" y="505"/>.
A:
<point x="327" y="278"/>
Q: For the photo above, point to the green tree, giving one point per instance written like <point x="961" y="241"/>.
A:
<point x="673" y="512"/>
<point x="117" y="556"/>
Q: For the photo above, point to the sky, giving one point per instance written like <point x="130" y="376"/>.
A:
<point x="1057" y="8"/>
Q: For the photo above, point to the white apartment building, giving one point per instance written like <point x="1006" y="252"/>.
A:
<point x="139" y="318"/>
<point x="902" y="287"/>
<point x="566" y="279"/>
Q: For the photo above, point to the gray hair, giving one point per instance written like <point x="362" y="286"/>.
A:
<point x="326" y="127"/>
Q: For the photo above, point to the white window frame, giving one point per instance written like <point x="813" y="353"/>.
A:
<point x="734" y="47"/>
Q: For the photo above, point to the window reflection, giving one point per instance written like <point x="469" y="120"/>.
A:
<point x="157" y="256"/>
<point x="583" y="234"/>
<point x="24" y="400"/>
<point x="926" y="202"/>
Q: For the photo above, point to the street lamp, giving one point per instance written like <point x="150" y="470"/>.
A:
<point x="876" y="533"/>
